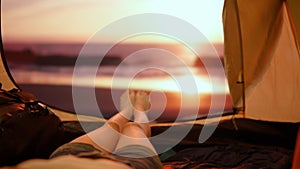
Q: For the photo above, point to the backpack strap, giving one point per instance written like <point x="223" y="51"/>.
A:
<point x="16" y="95"/>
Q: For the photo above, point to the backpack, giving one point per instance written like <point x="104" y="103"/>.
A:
<point x="28" y="129"/>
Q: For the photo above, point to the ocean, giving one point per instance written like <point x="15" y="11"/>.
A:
<point x="180" y="81"/>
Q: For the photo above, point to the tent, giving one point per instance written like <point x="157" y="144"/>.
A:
<point x="262" y="55"/>
<point x="5" y="76"/>
<point x="262" y="61"/>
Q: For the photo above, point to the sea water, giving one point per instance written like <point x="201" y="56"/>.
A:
<point x="170" y="80"/>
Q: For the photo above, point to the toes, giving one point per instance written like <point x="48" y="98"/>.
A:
<point x="127" y="100"/>
<point x="142" y="93"/>
<point x="132" y="96"/>
<point x="131" y="92"/>
<point x="142" y="101"/>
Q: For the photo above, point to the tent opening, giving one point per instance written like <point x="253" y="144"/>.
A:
<point x="42" y="48"/>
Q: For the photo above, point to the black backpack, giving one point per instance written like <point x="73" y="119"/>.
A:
<point x="27" y="128"/>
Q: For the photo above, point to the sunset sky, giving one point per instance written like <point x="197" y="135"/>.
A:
<point x="65" y="21"/>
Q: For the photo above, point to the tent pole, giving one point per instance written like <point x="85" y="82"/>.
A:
<point x="292" y="23"/>
<point x="296" y="158"/>
<point x="242" y="80"/>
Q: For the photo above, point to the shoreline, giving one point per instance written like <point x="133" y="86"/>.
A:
<point x="165" y="106"/>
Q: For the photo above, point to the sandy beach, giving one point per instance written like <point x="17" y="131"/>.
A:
<point x="165" y="106"/>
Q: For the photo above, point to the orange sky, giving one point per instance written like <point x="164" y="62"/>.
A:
<point x="77" y="20"/>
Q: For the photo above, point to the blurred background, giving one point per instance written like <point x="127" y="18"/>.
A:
<point x="42" y="40"/>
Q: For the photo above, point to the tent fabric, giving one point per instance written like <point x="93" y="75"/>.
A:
<point x="280" y="83"/>
<point x="294" y="14"/>
<point x="262" y="58"/>
<point x="232" y="64"/>
<point x="5" y="78"/>
<point x="249" y="36"/>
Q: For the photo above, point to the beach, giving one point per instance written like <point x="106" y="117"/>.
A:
<point x="165" y="106"/>
<point x="180" y="85"/>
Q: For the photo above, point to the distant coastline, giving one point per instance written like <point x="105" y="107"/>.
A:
<point x="66" y="54"/>
<point x="28" y="57"/>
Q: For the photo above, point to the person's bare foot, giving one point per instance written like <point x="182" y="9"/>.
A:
<point x="127" y="100"/>
<point x="142" y="101"/>
<point x="142" y="105"/>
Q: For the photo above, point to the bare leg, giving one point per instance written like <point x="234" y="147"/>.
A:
<point x="106" y="137"/>
<point x="137" y="132"/>
<point x="142" y="104"/>
<point x="126" y="101"/>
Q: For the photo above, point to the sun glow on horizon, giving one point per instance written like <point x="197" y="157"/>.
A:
<point x="165" y="83"/>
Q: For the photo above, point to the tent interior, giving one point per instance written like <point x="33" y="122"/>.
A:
<point x="262" y="63"/>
